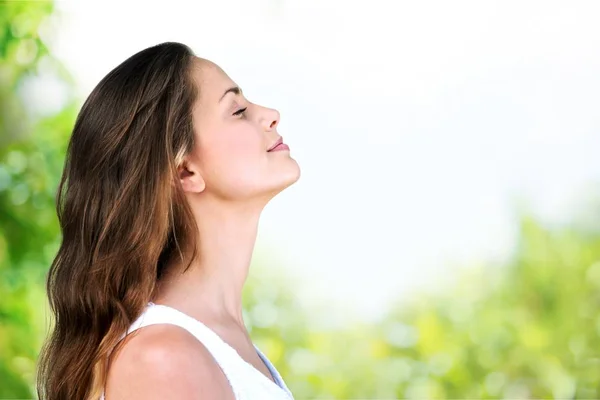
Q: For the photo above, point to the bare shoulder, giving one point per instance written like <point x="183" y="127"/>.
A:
<point x="165" y="362"/>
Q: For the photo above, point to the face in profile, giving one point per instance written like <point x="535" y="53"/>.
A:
<point x="236" y="156"/>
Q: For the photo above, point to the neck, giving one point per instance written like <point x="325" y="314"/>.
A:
<point x="212" y="286"/>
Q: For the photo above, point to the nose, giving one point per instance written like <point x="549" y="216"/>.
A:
<point x="270" y="119"/>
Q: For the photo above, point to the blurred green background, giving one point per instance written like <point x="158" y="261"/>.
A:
<point x="527" y="329"/>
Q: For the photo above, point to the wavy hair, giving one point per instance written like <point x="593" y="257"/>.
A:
<point x="122" y="213"/>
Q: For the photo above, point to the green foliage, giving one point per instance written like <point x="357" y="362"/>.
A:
<point x="31" y="155"/>
<point x="527" y="329"/>
<point x="20" y="52"/>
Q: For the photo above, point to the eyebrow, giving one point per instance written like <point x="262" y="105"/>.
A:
<point x="236" y="90"/>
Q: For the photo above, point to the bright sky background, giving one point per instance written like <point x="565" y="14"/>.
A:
<point x="417" y="125"/>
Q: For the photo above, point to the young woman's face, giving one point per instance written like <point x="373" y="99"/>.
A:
<point x="233" y="136"/>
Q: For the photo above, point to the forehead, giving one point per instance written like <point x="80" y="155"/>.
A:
<point x="212" y="81"/>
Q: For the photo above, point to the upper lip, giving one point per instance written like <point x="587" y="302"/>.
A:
<point x="277" y="143"/>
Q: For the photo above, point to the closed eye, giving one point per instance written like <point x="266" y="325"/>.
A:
<point x="240" y="111"/>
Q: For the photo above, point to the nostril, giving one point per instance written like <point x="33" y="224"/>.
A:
<point x="273" y="124"/>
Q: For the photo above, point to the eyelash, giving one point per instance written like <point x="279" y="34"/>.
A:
<point x="240" y="111"/>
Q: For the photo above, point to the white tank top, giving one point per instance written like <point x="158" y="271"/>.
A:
<point x="247" y="382"/>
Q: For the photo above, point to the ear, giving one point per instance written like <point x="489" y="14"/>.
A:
<point x="190" y="178"/>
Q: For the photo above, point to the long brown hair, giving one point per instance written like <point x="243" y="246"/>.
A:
<point x="122" y="213"/>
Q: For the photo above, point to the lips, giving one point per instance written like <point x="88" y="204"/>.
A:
<point x="280" y="146"/>
<point x="276" y="144"/>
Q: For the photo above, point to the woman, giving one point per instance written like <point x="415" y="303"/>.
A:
<point x="168" y="169"/>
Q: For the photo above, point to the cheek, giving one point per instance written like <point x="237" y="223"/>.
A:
<point x="243" y="145"/>
<point x="234" y="156"/>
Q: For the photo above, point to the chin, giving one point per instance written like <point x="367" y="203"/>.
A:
<point x="292" y="174"/>
<point x="284" y="180"/>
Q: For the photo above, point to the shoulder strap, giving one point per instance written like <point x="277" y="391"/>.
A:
<point x="161" y="314"/>
<point x="226" y="356"/>
<point x="222" y="353"/>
